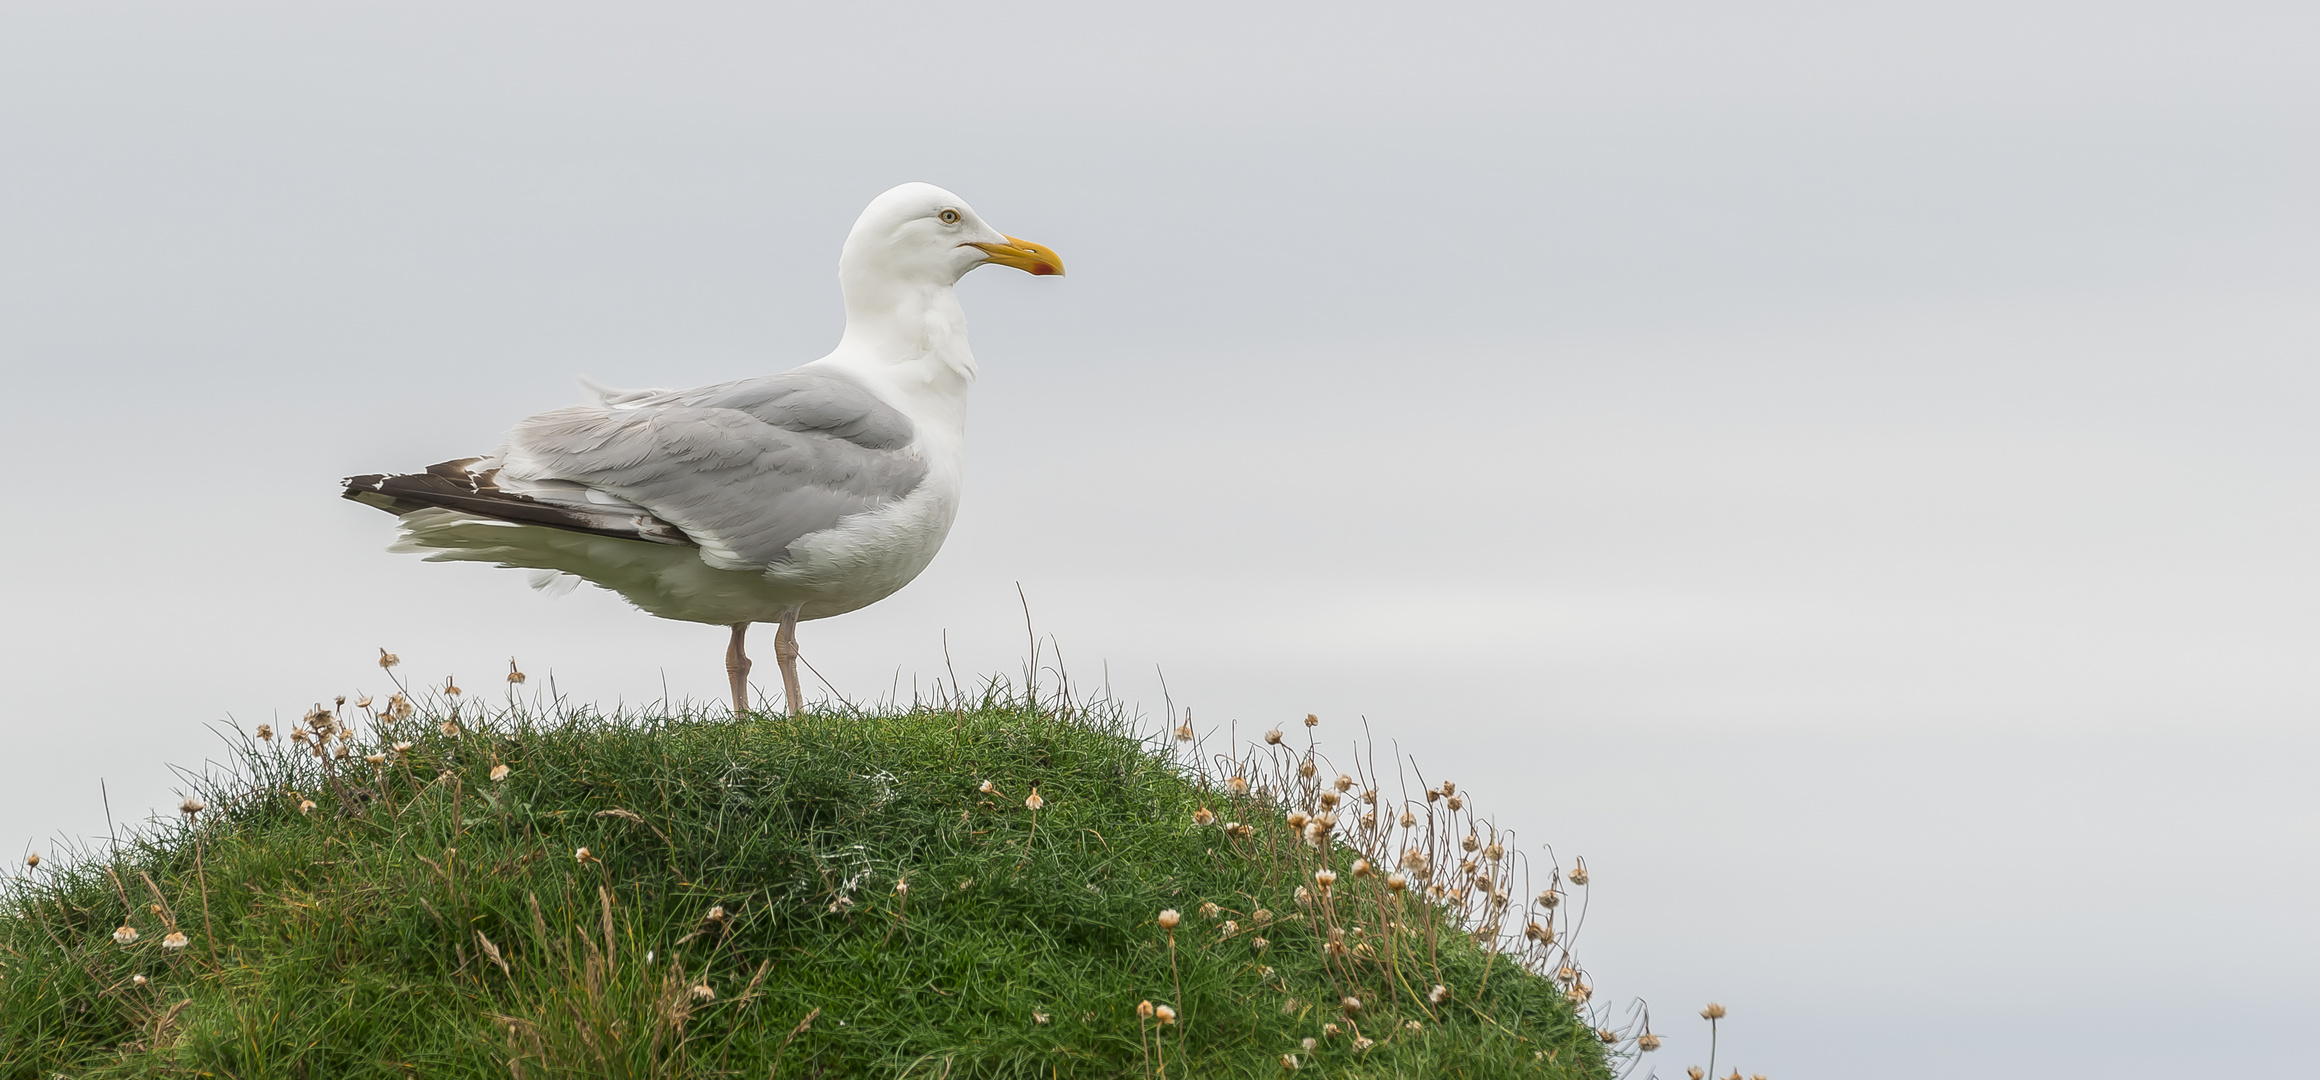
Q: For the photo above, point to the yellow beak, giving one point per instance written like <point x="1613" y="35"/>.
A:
<point x="1024" y="255"/>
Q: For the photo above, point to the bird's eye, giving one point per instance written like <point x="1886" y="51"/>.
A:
<point x="949" y="217"/>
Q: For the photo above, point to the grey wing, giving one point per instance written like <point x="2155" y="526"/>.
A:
<point x="743" y="469"/>
<point x="821" y="400"/>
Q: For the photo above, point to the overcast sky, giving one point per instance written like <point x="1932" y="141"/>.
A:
<point x="1848" y="471"/>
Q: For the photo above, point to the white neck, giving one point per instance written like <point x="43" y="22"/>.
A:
<point x="911" y="339"/>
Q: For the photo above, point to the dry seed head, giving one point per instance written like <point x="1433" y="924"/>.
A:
<point x="1306" y="768"/>
<point x="1351" y="1005"/>
<point x="137" y="980"/>
<point x="1471" y="843"/>
<point x="1034" y="802"/>
<point x="1297" y="819"/>
<point x="1203" y="817"/>
<point x="1647" y="1043"/>
<point x="298" y="735"/>
<point x="1238" y="785"/>
<point x="1712" y="1012"/>
<point x="1259" y="944"/>
<point x="375" y="759"/>
<point x="1548" y="898"/>
<point x="1494" y="852"/>
<point x="305" y="806"/>
<point x="343" y="753"/>
<point x="1361" y="868"/>
<point x="1438" y="994"/>
<point x="1038" y="1018"/>
<point x="902" y="888"/>
<point x="1328" y="800"/>
<point x="449" y="727"/>
<point x="499" y="772"/>
<point x="1344" y="782"/>
<point x="1579" y="874"/>
<point x="1262" y="916"/>
<point x="363" y="702"/>
<point x="126" y="935"/>
<point x="1454" y="802"/>
<point x="1184" y="733"/>
<point x="266" y="732"/>
<point x="1331" y="1030"/>
<point x="1409" y="820"/>
<point x="1289" y="1062"/>
<point x="1369" y="819"/>
<point x="191" y="806"/>
<point x="986" y="787"/>
<point x="515" y="674"/>
<point x="1309" y="1043"/>
<point x="451" y="686"/>
<point x="716" y="913"/>
<point x="1304" y="896"/>
<point x="1312" y="720"/>
<point x="1228" y="929"/>
<point x="175" y="941"/>
<point x="1696" y="1073"/>
<point x="1273" y="737"/>
<point x="388" y="659"/>
<point x="1397" y="881"/>
<point x="582" y="856"/>
<point x="1168" y="919"/>
<point x="1240" y="831"/>
<point x="1606" y="1036"/>
<point x="32" y="859"/>
<point x="1209" y="910"/>
<point x="1415" y="1026"/>
<point x="402" y="748"/>
<point x="1325" y="879"/>
<point x="1542" y="933"/>
<point x="701" y="991"/>
<point x="1362" y="1043"/>
<point x="1144" y="1009"/>
<point x="1164" y="1014"/>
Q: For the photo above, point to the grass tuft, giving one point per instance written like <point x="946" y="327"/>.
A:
<point x="974" y="891"/>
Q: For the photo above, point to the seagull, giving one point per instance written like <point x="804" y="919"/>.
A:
<point x="775" y="499"/>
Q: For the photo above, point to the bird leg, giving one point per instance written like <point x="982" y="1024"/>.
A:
<point x="785" y="650"/>
<point x="737" y="669"/>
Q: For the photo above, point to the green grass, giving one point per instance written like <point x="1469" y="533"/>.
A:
<point x="355" y="938"/>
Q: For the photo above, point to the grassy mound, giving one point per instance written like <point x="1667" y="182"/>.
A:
<point x="825" y="896"/>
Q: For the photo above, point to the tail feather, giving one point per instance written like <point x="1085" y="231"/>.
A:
<point x="461" y="486"/>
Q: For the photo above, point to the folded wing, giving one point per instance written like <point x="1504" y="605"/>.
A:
<point x="740" y="470"/>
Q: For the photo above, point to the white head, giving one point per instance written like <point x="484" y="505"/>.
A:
<point x="920" y="235"/>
